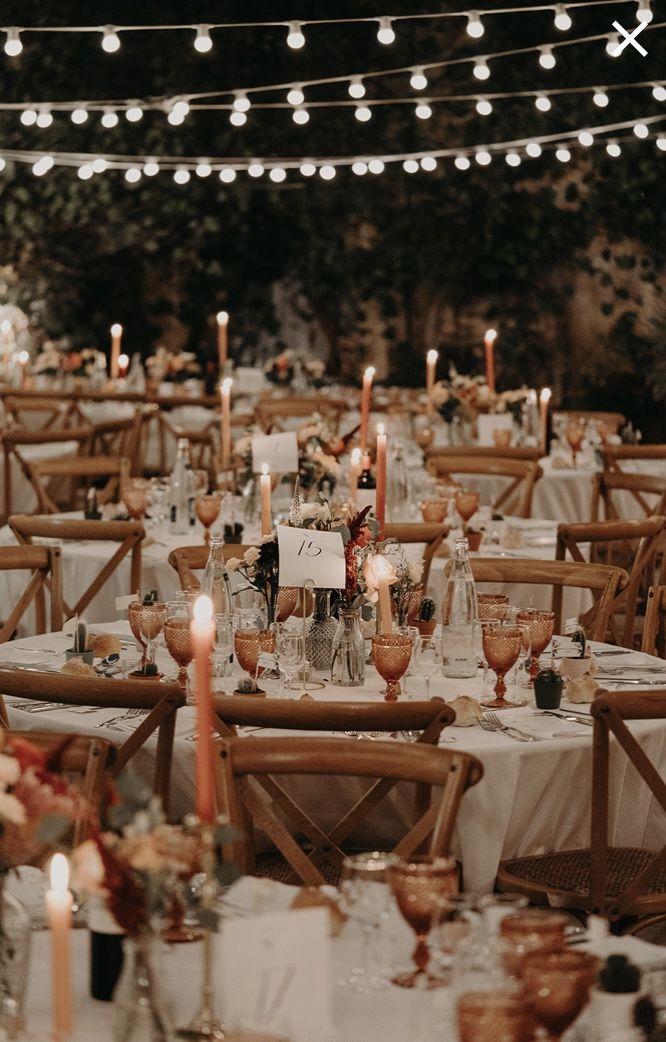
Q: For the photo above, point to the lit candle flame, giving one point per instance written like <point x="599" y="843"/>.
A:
<point x="370" y="372"/>
<point x="123" y="361"/>
<point x="222" y="318"/>
<point x="23" y="357"/>
<point x="381" y="429"/>
<point x="432" y="356"/>
<point x="356" y="456"/>
<point x="116" y="329"/>
<point x="491" y="334"/>
<point x="265" y="469"/>
<point x="546" y="394"/>
<point x="202" y="611"/>
<point x="59" y="873"/>
<point x="226" y="384"/>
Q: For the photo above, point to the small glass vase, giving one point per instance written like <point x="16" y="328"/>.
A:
<point x="348" y="665"/>
<point x="142" y="1007"/>
<point x="320" y="637"/>
<point x="15" y="937"/>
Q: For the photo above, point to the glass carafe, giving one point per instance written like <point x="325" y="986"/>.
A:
<point x="322" y="631"/>
<point x="348" y="665"/>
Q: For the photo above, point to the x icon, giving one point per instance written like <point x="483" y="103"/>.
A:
<point x="629" y="38"/>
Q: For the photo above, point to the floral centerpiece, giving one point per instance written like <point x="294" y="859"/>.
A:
<point x="282" y="368"/>
<point x="57" y="358"/>
<point x="172" y="366"/>
<point x="406" y="589"/>
<point x="317" y="451"/>
<point x="463" y="396"/>
<point x="260" y="567"/>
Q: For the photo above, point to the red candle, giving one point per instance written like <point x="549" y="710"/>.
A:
<point x="225" y="392"/>
<point x="354" y="474"/>
<point x="116" y="337"/>
<point x="431" y="366"/>
<point x="202" y="629"/>
<point x="222" y="338"/>
<point x="59" y="912"/>
<point x="123" y="366"/>
<point x="266" y="509"/>
<point x="381" y="478"/>
<point x="489" y="342"/>
<point x="365" y="405"/>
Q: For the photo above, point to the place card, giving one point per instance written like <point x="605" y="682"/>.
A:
<point x="488" y="423"/>
<point x="279" y="451"/>
<point x="308" y="555"/>
<point x="275" y="971"/>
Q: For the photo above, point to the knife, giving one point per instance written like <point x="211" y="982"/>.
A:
<point x="634" y="680"/>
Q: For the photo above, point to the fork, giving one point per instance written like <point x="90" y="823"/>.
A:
<point x="130" y="714"/>
<point x="491" y="722"/>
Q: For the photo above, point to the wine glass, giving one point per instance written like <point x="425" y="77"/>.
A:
<point x="418" y="884"/>
<point x="223" y="649"/>
<point x="178" y="637"/>
<point x="151" y="623"/>
<point x="364" y="897"/>
<point x="467" y="504"/>
<point x="556" y="987"/>
<point x="542" y="626"/>
<point x="427" y="658"/>
<point x="289" y="647"/>
<point x="488" y="601"/>
<point x="501" y="646"/>
<point x="492" y="1014"/>
<point x="391" y="655"/>
<point x="249" y="644"/>
<point x="208" y="510"/>
<point x="134" y="494"/>
<point x="574" y="432"/>
<point x="286" y="602"/>
<point x="529" y="931"/>
<point x="200" y="482"/>
<point x="133" y="617"/>
<point x="452" y="921"/>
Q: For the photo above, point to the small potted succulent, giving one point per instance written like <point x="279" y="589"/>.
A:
<point x="617" y="1006"/>
<point x="426" y="620"/>
<point x="249" y="686"/>
<point x="575" y="666"/>
<point x="548" y="686"/>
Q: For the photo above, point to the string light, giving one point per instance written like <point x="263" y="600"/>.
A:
<point x="227" y="175"/>
<point x="241" y="102"/>
<point x="181" y="176"/>
<point x="613" y="149"/>
<point x="44" y="119"/>
<point x="79" y="116"/>
<point x="327" y="172"/>
<point x="151" y="168"/>
<point x="203" y="168"/>
<point x="640" y="130"/>
<point x="110" y="40"/>
<point x="423" y="110"/>
<point x="385" y="32"/>
<point x="410" y="166"/>
<point x="363" y="113"/>
<point x="375" y="166"/>
<point x="99" y="165"/>
<point x="661" y="144"/>
<point x="483" y="158"/>
<point x="109" y="119"/>
<point x="296" y="96"/>
<point x="644" y="13"/>
<point x="543" y="103"/>
<point x="359" y="168"/>
<point x="586" y="139"/>
<point x="178" y="112"/>
<point x="418" y="80"/>
<point x="255" y="169"/>
<point x="202" y="41"/>
<point x="481" y="69"/>
<point x="533" y="149"/>
<point x="133" y="174"/>
<point x="238" y="119"/>
<point x="278" y="174"/>
<point x="428" y="163"/>
<point x="13" y="44"/>
<point x="547" y="59"/>
<point x="513" y="159"/>
<point x="659" y="93"/>
<point x="612" y="45"/>
<point x="42" y="166"/>
<point x="562" y="18"/>
<point x="134" y="113"/>
<point x="301" y="116"/>
<point x="308" y="169"/>
<point x="484" y="107"/>
<point x="85" y="171"/>
<point x="475" y="27"/>
<point x="28" y="117"/>
<point x="295" y="36"/>
<point x="462" y="163"/>
<point x="356" y="89"/>
<point x="600" y="98"/>
<point x="563" y="154"/>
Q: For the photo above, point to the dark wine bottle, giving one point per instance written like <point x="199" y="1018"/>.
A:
<point x="366" y="492"/>
<point x="106" y="952"/>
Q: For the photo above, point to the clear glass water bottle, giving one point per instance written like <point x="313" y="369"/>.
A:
<point x="215" y="579"/>
<point x="180" y="515"/>
<point x="460" y="616"/>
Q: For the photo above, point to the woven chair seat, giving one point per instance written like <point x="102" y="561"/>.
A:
<point x="273" y="865"/>
<point x="569" y="870"/>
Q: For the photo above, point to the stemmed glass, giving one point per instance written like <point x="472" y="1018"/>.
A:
<point x="249" y="644"/>
<point x="489" y="601"/>
<point x="427" y="658"/>
<point x="208" y="510"/>
<point x="556" y="987"/>
<point x="289" y="647"/>
<point x="178" y="637"/>
<point x="365" y="896"/>
<point x="492" y="1014"/>
<point x="151" y="623"/>
<point x="453" y="920"/>
<point x="418" y="885"/>
<point x="134" y="494"/>
<point x="574" y="432"/>
<point x="501" y="646"/>
<point x="391" y="655"/>
<point x="542" y="626"/>
<point x="467" y="504"/>
<point x="134" y="617"/>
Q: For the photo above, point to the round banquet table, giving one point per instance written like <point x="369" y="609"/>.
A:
<point x="533" y="797"/>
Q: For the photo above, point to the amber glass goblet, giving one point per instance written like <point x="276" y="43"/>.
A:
<point x="424" y="438"/>
<point x="286" y="602"/>
<point x="574" y="432"/>
<point x="542" y="627"/>
<point x="178" y="638"/>
<point x="391" y="655"/>
<point x="419" y="884"/>
<point x="134" y="494"/>
<point x="467" y="503"/>
<point x="556" y="987"/>
<point x="529" y="931"/>
<point x="493" y="1016"/>
<point x="151" y="623"/>
<point x="249" y="644"/>
<point x="133" y="617"/>
<point x="208" y="510"/>
<point x="502" y="644"/>
<point x="489" y="601"/>
<point x="502" y="438"/>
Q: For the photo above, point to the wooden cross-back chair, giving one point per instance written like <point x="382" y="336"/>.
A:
<point x="432" y="535"/>
<point x="635" y="545"/>
<point x="242" y="761"/>
<point x="160" y="701"/>
<point x="627" y="885"/>
<point x="203" y="443"/>
<point x="524" y="452"/>
<point x="75" y="474"/>
<point x="521" y="474"/>
<point x="32" y="413"/>
<point x="654" y="627"/>
<point x="45" y="564"/>
<point x="122" y="436"/>
<point x="127" y="534"/>
<point x="621" y="457"/>
<point x="187" y="560"/>
<point x="85" y="761"/>
<point x="603" y="582"/>
<point x="647" y="492"/>
<point x="22" y="447"/>
<point x="270" y="411"/>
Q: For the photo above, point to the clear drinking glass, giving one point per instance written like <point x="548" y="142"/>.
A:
<point x="427" y="658"/>
<point x="289" y="648"/>
<point x="365" y="897"/>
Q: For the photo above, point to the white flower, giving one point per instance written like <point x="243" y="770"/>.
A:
<point x="233" y="564"/>
<point x="415" y="572"/>
<point x="11" y="809"/>
<point x="9" y="770"/>
<point x="251" y="556"/>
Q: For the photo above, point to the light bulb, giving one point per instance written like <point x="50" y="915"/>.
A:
<point x="203" y="168"/>
<point x="534" y="149"/>
<point x="612" y="47"/>
<point x="79" y="116"/>
<point x="418" y="80"/>
<point x="429" y="163"/>
<point x="296" y="96"/>
<point x="227" y="175"/>
<point x="661" y="144"/>
<point x="3" y="163"/>
<point x="85" y="172"/>
<point x="562" y="18"/>
<point x="151" y="168"/>
<point x="28" y="117"/>
<point x="659" y="93"/>
<point x="99" y="165"/>
<point x="481" y="69"/>
<point x="359" y="168"/>
<point x="13" y="44"/>
<point x="308" y="169"/>
<point x="133" y="174"/>
<point x="327" y="172"/>
<point x="110" y="40"/>
<point x="513" y="159"/>
<point x="363" y="113"/>
<point x="202" y="41"/>
<point x="241" y="102"/>
<point x="238" y="119"/>
<point x="385" y="32"/>
<point x="356" y="88"/>
<point x="423" y="110"/>
<point x="462" y="163"/>
<point x="613" y="149"/>
<point x="255" y="169"/>
<point x="109" y="119"/>
<point x="181" y="176"/>
<point x="547" y="59"/>
<point x="277" y="174"/>
<point x="543" y="103"/>
<point x="178" y="112"/>
<point x="376" y="166"/>
<point x="42" y="166"/>
<point x="484" y="107"/>
<point x="44" y="119"/>
<point x="410" y="166"/>
<point x="295" y="37"/>
<point x="475" y="25"/>
<point x="301" y="116"/>
<point x="563" y="154"/>
<point x="600" y="98"/>
<point x="640" y="130"/>
<point x="483" y="158"/>
<point x="644" y="13"/>
<point x="134" y="113"/>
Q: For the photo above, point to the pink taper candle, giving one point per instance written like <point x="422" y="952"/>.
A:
<point x="222" y="338"/>
<point x="365" y="405"/>
<point x="544" y="401"/>
<point x="202" y="629"/>
<point x="354" y="474"/>
<point x="225" y="393"/>
<point x="116" y="337"/>
<point x="489" y="344"/>
<point x="59" y="912"/>
<point x="381" y="479"/>
<point x="266" y="509"/>
<point x="431" y="366"/>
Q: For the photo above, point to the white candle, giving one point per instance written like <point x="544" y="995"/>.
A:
<point x="116" y="337"/>
<point x="123" y="366"/>
<point x="59" y="912"/>
<point x="225" y="392"/>
<point x="544" y="401"/>
<point x="489" y="344"/>
<point x="383" y="573"/>
<point x="202" y="629"/>
<point x="431" y="366"/>
<point x="23" y="359"/>
<point x="222" y="338"/>
<point x="266" y="510"/>
<point x="365" y="404"/>
<point x="354" y="473"/>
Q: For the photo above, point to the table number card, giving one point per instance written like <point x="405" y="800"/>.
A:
<point x="279" y="451"/>
<point x="306" y="554"/>
<point x="489" y="423"/>
<point x="276" y="971"/>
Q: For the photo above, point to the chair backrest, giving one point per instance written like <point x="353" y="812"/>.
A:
<point x="203" y="443"/>
<point x="242" y="760"/>
<point x="603" y="582"/>
<point x="16" y="446"/>
<point x="612" y="421"/>
<point x="431" y="535"/>
<point x="269" y="411"/>
<point x="77" y="472"/>
<point x="190" y="559"/>
<point x="616" y="455"/>
<point x="654" y="626"/>
<point x="645" y="491"/>
<point x="610" y="710"/>
<point x="45" y="564"/>
<point x="32" y="413"/>
<point x="161" y="702"/>
<point x="127" y="534"/>
<point x="85" y="760"/>
<point x="522" y="474"/>
<point x="524" y="452"/>
<point x="633" y="545"/>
